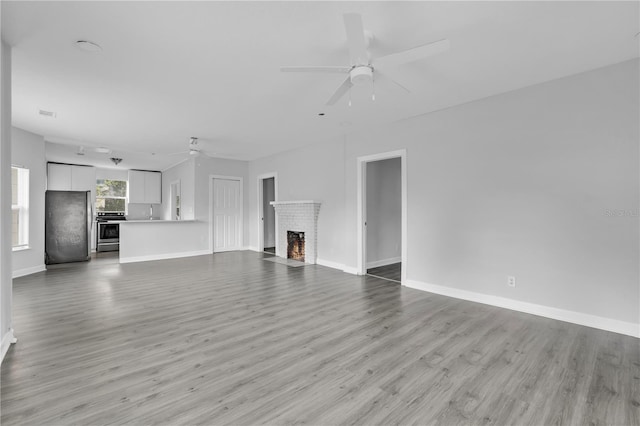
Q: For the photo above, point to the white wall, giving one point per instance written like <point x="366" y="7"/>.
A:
<point x="28" y="150"/>
<point x="384" y="212"/>
<point x="528" y="183"/>
<point x="185" y="173"/>
<point x="312" y="173"/>
<point x="269" y="213"/>
<point x="6" y="325"/>
<point x="520" y="184"/>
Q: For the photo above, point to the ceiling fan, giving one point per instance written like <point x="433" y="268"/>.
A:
<point x="195" y="149"/>
<point x="364" y="69"/>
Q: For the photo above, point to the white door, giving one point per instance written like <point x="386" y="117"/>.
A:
<point x="227" y="215"/>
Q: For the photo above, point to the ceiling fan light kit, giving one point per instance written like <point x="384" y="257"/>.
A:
<point x="361" y="75"/>
<point x="363" y="67"/>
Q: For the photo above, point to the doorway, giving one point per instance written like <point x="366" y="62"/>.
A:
<point x="382" y="215"/>
<point x="174" y="204"/>
<point x="266" y="213"/>
<point x="383" y="224"/>
<point x="226" y="212"/>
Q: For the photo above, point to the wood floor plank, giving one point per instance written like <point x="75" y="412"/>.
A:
<point x="391" y="272"/>
<point x="231" y="339"/>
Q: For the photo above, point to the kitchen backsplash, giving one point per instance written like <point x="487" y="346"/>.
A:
<point x="142" y="211"/>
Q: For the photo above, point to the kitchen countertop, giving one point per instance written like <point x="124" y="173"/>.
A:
<point x="143" y="221"/>
<point x="153" y="221"/>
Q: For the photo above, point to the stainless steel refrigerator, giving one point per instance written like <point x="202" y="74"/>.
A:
<point x="67" y="228"/>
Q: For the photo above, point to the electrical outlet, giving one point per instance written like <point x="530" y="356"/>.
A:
<point x="511" y="281"/>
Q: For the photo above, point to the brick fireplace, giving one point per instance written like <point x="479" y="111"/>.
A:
<point x="300" y="220"/>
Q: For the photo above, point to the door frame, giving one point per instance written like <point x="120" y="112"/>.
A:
<point x="211" y="179"/>
<point x="362" y="208"/>
<point x="172" y="198"/>
<point x="261" y="178"/>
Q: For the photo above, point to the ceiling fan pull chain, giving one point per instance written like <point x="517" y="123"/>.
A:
<point x="373" y="89"/>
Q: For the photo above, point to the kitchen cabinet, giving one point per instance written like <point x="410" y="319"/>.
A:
<point x="153" y="187"/>
<point x="70" y="177"/>
<point x="145" y="187"/>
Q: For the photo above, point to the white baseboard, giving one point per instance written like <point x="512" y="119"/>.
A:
<point x="252" y="248"/>
<point x="602" y="323"/>
<point x="163" y="256"/>
<point x="7" y="340"/>
<point x="383" y="262"/>
<point x="28" y="271"/>
<point x="330" y="264"/>
<point x="351" y="270"/>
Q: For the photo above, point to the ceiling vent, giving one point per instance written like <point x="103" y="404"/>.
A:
<point x="47" y="113"/>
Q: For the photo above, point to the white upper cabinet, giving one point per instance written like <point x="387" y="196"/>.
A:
<point x="153" y="187"/>
<point x="136" y="186"/>
<point x="83" y="178"/>
<point x="58" y="177"/>
<point x="68" y="177"/>
<point x="145" y="187"/>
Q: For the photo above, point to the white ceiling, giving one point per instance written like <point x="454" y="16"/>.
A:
<point x="171" y="70"/>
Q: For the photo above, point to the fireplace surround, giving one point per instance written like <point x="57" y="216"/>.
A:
<point x="297" y="217"/>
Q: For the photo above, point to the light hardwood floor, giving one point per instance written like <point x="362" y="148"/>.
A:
<point x="232" y="339"/>
<point x="391" y="272"/>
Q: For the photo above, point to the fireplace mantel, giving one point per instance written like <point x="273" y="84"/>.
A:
<point x="297" y="216"/>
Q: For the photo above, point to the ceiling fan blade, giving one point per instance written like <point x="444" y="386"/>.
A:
<point x="344" y="88"/>
<point x="414" y="54"/>
<point x="355" y="39"/>
<point x="383" y="77"/>
<point x="330" y="69"/>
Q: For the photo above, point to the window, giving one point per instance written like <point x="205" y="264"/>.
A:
<point x="111" y="195"/>
<point x="19" y="207"/>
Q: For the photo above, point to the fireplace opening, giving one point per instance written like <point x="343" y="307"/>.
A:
<point x="295" y="245"/>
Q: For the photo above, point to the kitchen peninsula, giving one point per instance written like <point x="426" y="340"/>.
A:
<point x="144" y="240"/>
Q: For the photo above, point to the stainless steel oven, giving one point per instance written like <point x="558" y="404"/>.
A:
<point x="108" y="231"/>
